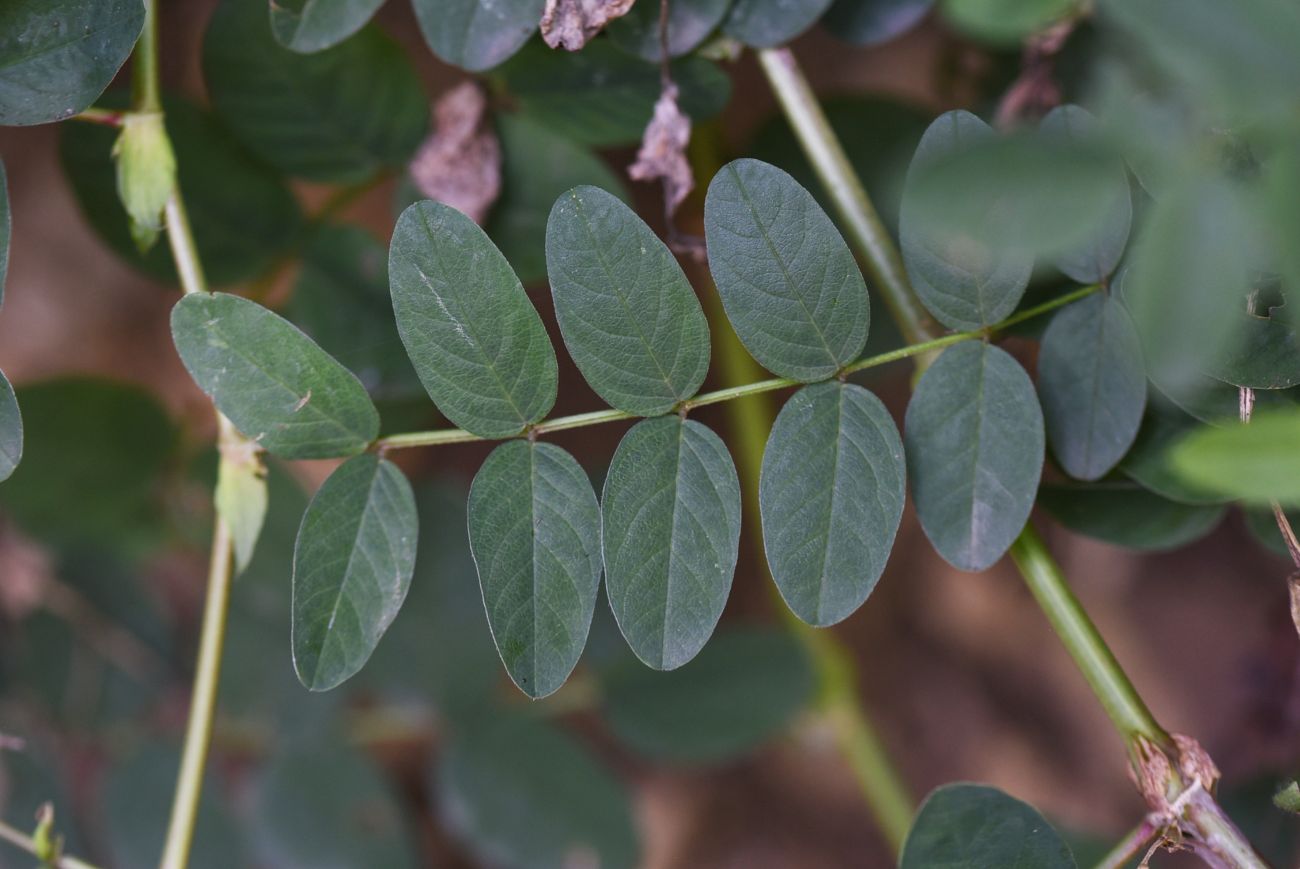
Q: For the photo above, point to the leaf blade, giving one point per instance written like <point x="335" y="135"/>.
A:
<point x="477" y="35"/>
<point x="315" y="25"/>
<point x="11" y="430"/>
<point x="968" y="826"/>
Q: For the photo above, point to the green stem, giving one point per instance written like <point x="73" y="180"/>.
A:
<point x="25" y="842"/>
<point x="146" y="93"/>
<point x="442" y="437"/>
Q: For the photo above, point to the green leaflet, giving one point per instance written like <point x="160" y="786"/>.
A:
<point x="689" y="23"/>
<point x="534" y="529"/>
<point x="742" y="690"/>
<point x="968" y="826"/>
<point x="831" y="496"/>
<point x="1149" y="462"/>
<point x="46" y="76"/>
<point x="871" y="22"/>
<point x="1092" y="385"/>
<point x="1253" y="461"/>
<point x="788" y="282"/>
<point x="1125" y="514"/>
<point x="338" y="115"/>
<point x="272" y="381"/>
<point x="520" y="792"/>
<point x="352" y="567"/>
<point x="768" y="23"/>
<point x="629" y="317"/>
<point x="477" y="34"/>
<point x="308" y="26"/>
<point x="963" y="281"/>
<point x="974" y="436"/>
<point x="1093" y="261"/>
<point x="1005" y="21"/>
<point x="671" y="511"/>
<point x="5" y="229"/>
<point x="475" y="339"/>
<point x="11" y="429"/>
<point x="242" y="213"/>
<point x="1263" y="351"/>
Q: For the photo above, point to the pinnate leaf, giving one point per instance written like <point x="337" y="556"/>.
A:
<point x="968" y="826"/>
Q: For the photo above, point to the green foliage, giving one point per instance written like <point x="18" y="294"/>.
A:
<point x="671" y="536"/>
<point x="967" y="826"/>
<point x="628" y="315"/>
<point x="475" y="340"/>
<point x="1005" y="21"/>
<point x="11" y="429"/>
<point x="272" y="381"/>
<point x="1149" y="463"/>
<point x="689" y="23"/>
<point x="974" y="436"/>
<point x="871" y="22"/>
<point x="534" y="529"/>
<point x="477" y="34"/>
<point x="339" y="115"/>
<point x="831" y="496"/>
<point x="766" y="23"/>
<point x="352" y="567"/>
<point x="308" y="26"/>
<point x="1252" y="462"/>
<point x="46" y="75"/>
<point x="788" y="282"/>
<point x="1124" y="514"/>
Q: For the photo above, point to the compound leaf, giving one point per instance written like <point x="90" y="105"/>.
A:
<point x="968" y="826"/>
<point x="767" y="23"/>
<point x="831" y="496"/>
<point x="477" y="34"/>
<point x="534" y="530"/>
<point x="628" y="315"/>
<point x="308" y="26"/>
<point x="272" y="381"/>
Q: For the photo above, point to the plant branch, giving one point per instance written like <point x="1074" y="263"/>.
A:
<point x="22" y="840"/>
<point x="1128" y="847"/>
<point x="441" y="437"/>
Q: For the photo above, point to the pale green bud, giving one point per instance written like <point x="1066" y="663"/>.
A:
<point x="146" y="173"/>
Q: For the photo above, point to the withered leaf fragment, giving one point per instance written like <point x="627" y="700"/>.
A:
<point x="569" y="24"/>
<point x="460" y="163"/>
<point x="663" y="150"/>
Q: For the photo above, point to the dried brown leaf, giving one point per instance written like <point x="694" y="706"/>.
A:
<point x="460" y="163"/>
<point x="569" y="24"/>
<point x="663" y="150"/>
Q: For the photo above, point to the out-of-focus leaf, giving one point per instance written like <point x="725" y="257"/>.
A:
<point x="689" y="23"/>
<point x="789" y="283"/>
<point x="1149" y="462"/>
<point x="242" y="213"/>
<point x="1005" y="21"/>
<point x="629" y="317"/>
<point x="974" y="436"/>
<point x="831" y="496"/>
<point x="341" y="300"/>
<point x="351" y="569"/>
<point x="1262" y="352"/>
<point x="477" y="34"/>
<point x="534" y="529"/>
<point x="11" y="430"/>
<point x="1262" y="524"/>
<point x="1287" y="797"/>
<point x="1125" y="514"/>
<point x="603" y="96"/>
<point x="474" y="337"/>
<point x="968" y="826"/>
<point x="742" y="690"/>
<point x="1092" y="385"/>
<point x="1273" y="833"/>
<point x="308" y="26"/>
<point x="871" y="22"/>
<point x="671" y="536"/>
<point x="5" y="229"/>
<point x="766" y="23"/>
<point x="520" y="794"/>
<point x="1252" y="461"/>
<point x="57" y="56"/>
<point x="272" y="381"/>
<point x="337" y="115"/>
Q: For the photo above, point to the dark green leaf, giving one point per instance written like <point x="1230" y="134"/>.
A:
<point x="628" y="315"/>
<point x="11" y="429"/>
<point x="313" y="25"/>
<point x="341" y="300"/>
<point x="1149" y="464"/>
<point x="871" y="22"/>
<point x="671" y="510"/>
<point x="1261" y="523"/>
<point x="328" y="807"/>
<point x="831" y="495"/>
<point x="477" y="34"/>
<point x="242" y="213"/>
<point x="767" y="23"/>
<point x="1093" y="261"/>
<point x="1263" y="351"/>
<point x="602" y="96"/>
<point x="742" y="690"/>
<point x="534" y="529"/>
<point x="689" y="23"/>
<point x="967" y="826"/>
<point x="521" y="793"/>
<point x="788" y="282"/>
<point x="974" y="435"/>
<point x="1287" y="797"/>
<point x="5" y="229"/>
<point x="1125" y="514"/>
<point x="338" y="115"/>
<point x="352" y="567"/>
<point x="475" y="339"/>
<point x="272" y="381"/>
<point x="1005" y="21"/>
<point x="1092" y="385"/>
<point x="961" y="279"/>
<point x="57" y="56"/>
<point x="1252" y="461"/>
